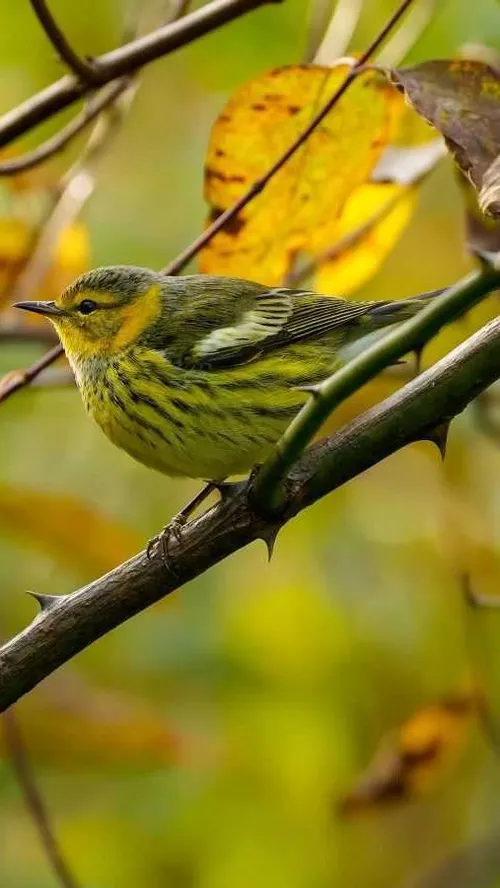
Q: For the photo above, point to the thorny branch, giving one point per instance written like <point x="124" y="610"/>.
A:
<point x="68" y="624"/>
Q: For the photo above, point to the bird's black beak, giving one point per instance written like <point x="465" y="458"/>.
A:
<point x="49" y="309"/>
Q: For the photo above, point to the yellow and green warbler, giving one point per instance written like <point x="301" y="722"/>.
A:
<point x="198" y="375"/>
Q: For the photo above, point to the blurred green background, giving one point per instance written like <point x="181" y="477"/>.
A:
<point x="208" y="742"/>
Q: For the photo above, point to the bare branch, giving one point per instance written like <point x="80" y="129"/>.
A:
<point x="121" y="62"/>
<point x="18" y="379"/>
<point x="414" y="27"/>
<point x="77" y="620"/>
<point x="85" y="71"/>
<point x="56" y="143"/>
<point x="34" y="802"/>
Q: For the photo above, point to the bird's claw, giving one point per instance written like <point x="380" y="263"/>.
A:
<point x="163" y="539"/>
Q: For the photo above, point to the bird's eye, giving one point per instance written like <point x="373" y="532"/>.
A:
<point x="87" y="306"/>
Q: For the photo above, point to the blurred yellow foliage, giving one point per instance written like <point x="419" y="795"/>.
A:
<point x="414" y="760"/>
<point x="71" y="257"/>
<point x="68" y="530"/>
<point x="355" y="260"/>
<point x="297" y="210"/>
<point x="76" y="722"/>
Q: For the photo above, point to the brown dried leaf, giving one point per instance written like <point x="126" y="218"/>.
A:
<point x="462" y="100"/>
<point x="482" y="232"/>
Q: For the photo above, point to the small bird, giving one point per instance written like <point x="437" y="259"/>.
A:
<point x="197" y="375"/>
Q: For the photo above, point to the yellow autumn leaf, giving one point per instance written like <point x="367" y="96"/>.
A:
<point x="371" y="223"/>
<point x="14" y="240"/>
<point x="416" y="756"/>
<point x="68" y="530"/>
<point x="377" y="213"/>
<point x="297" y="210"/>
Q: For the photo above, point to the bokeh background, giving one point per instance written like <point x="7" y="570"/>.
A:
<point x="209" y="742"/>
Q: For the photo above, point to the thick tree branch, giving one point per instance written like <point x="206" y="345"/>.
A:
<point x="67" y="625"/>
<point x="120" y="62"/>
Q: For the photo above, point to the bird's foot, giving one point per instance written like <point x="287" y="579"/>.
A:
<point x="173" y="530"/>
<point x="163" y="540"/>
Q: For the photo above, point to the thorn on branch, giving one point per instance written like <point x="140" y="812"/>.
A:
<point x="45" y="602"/>
<point x="313" y="390"/>
<point x="269" y="538"/>
<point x="439" y="436"/>
<point x="418" y="359"/>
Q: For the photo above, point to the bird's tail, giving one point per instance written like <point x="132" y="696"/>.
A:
<point x="383" y="314"/>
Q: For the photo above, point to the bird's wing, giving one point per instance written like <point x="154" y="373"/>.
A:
<point x="275" y="318"/>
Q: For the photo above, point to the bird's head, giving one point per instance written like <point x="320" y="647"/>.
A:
<point x="103" y="310"/>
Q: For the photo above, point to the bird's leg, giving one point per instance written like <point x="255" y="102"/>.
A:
<point x="175" y="525"/>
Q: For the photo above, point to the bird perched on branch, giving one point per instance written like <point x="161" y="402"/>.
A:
<point x="196" y="375"/>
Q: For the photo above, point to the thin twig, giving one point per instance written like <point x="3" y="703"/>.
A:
<point x="56" y="143"/>
<point x="414" y="27"/>
<point x="18" y="379"/>
<point x="68" y="624"/>
<point x="82" y="69"/>
<point x="121" y="62"/>
<point x="34" y="801"/>
<point x="181" y="261"/>
<point x="268" y="490"/>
